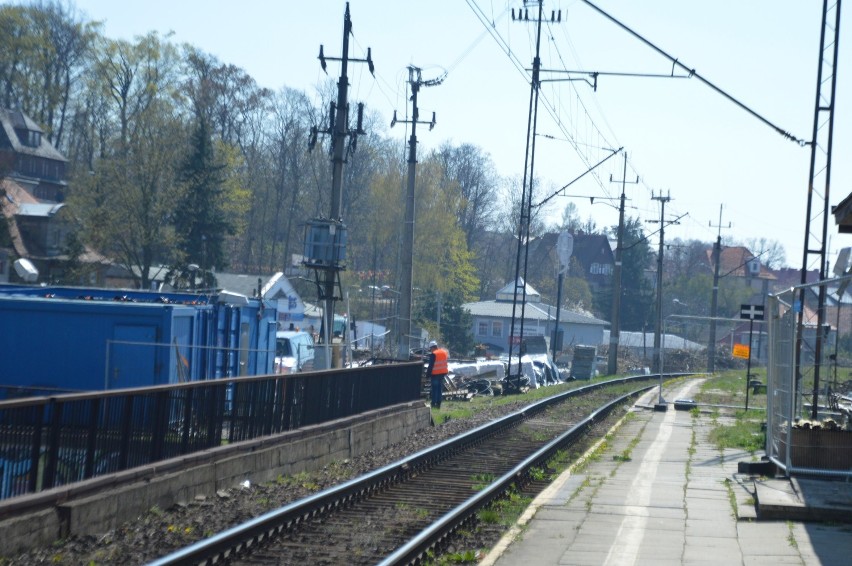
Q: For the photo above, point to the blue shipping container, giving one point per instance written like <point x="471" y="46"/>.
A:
<point x="71" y="339"/>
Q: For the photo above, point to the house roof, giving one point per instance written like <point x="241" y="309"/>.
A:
<point x="646" y="339"/>
<point x="10" y="120"/>
<point x="44" y="210"/>
<point x="507" y="292"/>
<point x="843" y="215"/>
<point x="538" y="312"/>
<point x="734" y="260"/>
<point x="587" y="246"/>
<point x="585" y="250"/>
<point x="242" y="283"/>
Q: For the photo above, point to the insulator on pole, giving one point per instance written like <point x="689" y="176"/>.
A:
<point x="322" y="61"/>
<point x="360" y="130"/>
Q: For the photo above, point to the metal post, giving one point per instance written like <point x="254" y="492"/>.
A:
<point x="527" y="184"/>
<point x="748" y="364"/>
<point x="659" y="307"/>
<point x="558" y="305"/>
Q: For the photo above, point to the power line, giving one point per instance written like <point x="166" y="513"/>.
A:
<point x="695" y="74"/>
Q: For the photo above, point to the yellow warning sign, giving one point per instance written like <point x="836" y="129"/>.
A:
<point x="741" y="351"/>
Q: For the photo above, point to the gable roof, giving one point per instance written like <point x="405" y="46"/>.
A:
<point x="10" y="120"/>
<point x="507" y="292"/>
<point x="734" y="261"/>
<point x="588" y="246"/>
<point x="533" y="312"/>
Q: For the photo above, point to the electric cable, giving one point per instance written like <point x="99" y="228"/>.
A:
<point x="694" y="73"/>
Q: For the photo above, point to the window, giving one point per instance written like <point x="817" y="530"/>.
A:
<point x="482" y="329"/>
<point x="601" y="269"/>
<point x="497" y="328"/>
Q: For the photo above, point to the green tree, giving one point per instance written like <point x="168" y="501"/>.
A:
<point x="456" y="324"/>
<point x="637" y="301"/>
<point x="200" y="220"/>
<point x="126" y="205"/>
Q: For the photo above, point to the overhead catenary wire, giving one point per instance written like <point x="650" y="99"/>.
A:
<point x="695" y="74"/>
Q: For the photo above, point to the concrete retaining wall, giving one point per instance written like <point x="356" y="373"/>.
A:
<point x="101" y="504"/>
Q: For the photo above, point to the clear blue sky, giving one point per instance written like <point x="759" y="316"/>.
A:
<point x="681" y="137"/>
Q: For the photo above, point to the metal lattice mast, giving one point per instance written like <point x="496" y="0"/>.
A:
<point x="526" y="202"/>
<point x="816" y="222"/>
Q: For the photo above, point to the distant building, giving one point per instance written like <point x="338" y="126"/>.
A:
<point x="38" y="225"/>
<point x="592" y="252"/>
<point x="492" y="322"/>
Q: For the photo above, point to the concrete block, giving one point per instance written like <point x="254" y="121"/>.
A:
<point x="17" y="534"/>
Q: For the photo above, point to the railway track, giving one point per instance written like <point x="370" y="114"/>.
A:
<point x="410" y="509"/>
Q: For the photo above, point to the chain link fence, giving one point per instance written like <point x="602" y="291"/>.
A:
<point x="809" y="380"/>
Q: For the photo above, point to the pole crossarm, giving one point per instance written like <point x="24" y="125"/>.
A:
<point x="595" y="74"/>
<point x="694" y="73"/>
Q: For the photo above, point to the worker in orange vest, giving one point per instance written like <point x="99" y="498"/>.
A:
<point x="437" y="370"/>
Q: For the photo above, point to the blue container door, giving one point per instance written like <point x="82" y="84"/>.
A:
<point x="132" y="357"/>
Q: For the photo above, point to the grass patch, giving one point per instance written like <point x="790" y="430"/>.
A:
<point x="302" y="479"/>
<point x="481" y="481"/>
<point x="623" y="457"/>
<point x="505" y="510"/>
<point x="746" y="433"/>
<point x="732" y="498"/>
<point x="729" y="388"/>
<point x="465" y="409"/>
<point x="791" y="539"/>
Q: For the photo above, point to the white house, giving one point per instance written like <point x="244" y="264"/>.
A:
<point x="492" y="321"/>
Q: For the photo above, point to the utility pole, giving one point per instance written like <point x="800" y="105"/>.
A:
<point x="405" y="291"/>
<point x="528" y="182"/>
<point x="325" y="241"/>
<point x="717" y="258"/>
<point x="658" y="323"/>
<point x="614" y="332"/>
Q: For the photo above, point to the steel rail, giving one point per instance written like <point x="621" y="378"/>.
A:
<point x="230" y="542"/>
<point x="415" y="550"/>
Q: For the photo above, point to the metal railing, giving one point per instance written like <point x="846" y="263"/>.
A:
<point x="47" y="442"/>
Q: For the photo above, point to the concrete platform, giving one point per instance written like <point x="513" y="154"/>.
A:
<point x="659" y="492"/>
<point x="799" y="499"/>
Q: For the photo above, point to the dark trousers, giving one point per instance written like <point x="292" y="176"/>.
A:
<point x="437" y="390"/>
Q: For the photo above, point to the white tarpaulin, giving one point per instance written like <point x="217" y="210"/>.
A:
<point x="486" y="368"/>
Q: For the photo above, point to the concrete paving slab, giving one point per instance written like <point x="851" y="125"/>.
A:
<point x="670" y="504"/>
<point x="773" y="561"/>
<point x="803" y="499"/>
<point x="710" y="527"/>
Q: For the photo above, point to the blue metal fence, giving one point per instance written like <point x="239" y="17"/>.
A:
<point x="48" y="442"/>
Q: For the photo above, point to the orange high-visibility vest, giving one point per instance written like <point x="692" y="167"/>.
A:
<point x="440" y="365"/>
